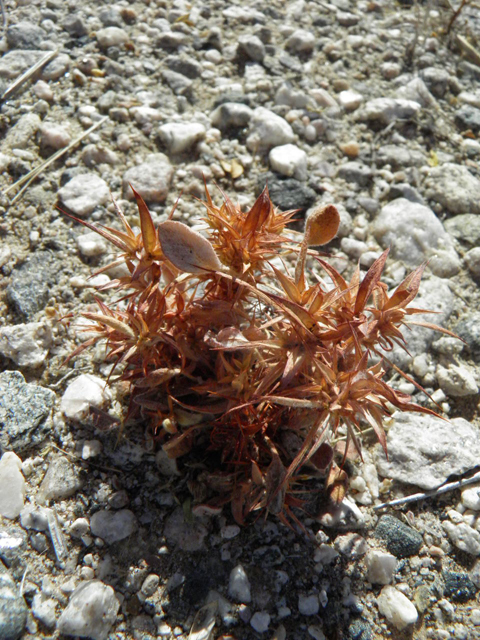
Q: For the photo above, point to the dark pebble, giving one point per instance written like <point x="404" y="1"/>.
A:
<point x="286" y="193"/>
<point x="401" y="540"/>
<point x="458" y="586"/>
<point x="360" y="630"/>
<point x="355" y="172"/>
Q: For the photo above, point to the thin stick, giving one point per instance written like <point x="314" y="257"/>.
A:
<point x="451" y="486"/>
<point x="4" y="17"/>
<point x="28" y="74"/>
<point x="469" y="50"/>
<point x="31" y="175"/>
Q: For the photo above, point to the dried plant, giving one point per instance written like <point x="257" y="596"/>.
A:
<point x="242" y="366"/>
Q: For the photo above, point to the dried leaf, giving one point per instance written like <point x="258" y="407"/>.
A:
<point x="336" y="483"/>
<point x="369" y="282"/>
<point x="237" y="169"/>
<point x="406" y="290"/>
<point x="322" y="225"/>
<point x="258" y="214"/>
<point x="187" y="249"/>
<point x="323" y="457"/>
<point x="149" y="235"/>
<point x="179" y="445"/>
<point x="274" y="484"/>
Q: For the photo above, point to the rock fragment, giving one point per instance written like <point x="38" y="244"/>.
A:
<point x="13" y="610"/>
<point x="401" y="540"/>
<point x="454" y="187"/>
<point x="60" y="481"/>
<point x="381" y="566"/>
<point x="150" y="178"/>
<point x="24" y="409"/>
<point x="396" y="607"/>
<point x="85" y="391"/>
<point x="424" y="450"/>
<point x="12" y="485"/>
<point x="268" y="130"/>
<point x="417" y="234"/>
<point x="91" y="611"/>
<point x="113" y="526"/>
<point x="180" y="137"/>
<point x="387" y="110"/>
<point x="26" y="345"/>
<point x="289" y="160"/>
<point x="84" y="193"/>
<point x="239" y="585"/>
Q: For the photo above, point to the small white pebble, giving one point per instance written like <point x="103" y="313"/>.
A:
<point x="42" y="90"/>
<point x="91" y="244"/>
<point x="260" y="621"/>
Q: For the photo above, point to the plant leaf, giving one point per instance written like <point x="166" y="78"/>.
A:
<point x="406" y="290"/>
<point x="369" y="282"/>
<point x="149" y="234"/>
<point x="258" y="214"/>
<point x="186" y="249"/>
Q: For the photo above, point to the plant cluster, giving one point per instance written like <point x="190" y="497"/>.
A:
<point x="246" y="367"/>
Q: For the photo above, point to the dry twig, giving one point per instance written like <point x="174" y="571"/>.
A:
<point x="31" y="175"/>
<point x="416" y="497"/>
<point x="28" y="74"/>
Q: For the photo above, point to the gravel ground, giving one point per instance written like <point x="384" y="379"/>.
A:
<point x="372" y="105"/>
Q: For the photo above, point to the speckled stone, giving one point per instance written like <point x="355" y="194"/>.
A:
<point x="401" y="540"/>
<point x="24" y="409"/>
<point x="30" y="286"/>
<point x="13" y="610"/>
<point x="458" y="586"/>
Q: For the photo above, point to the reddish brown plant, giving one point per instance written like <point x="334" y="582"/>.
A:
<point x="251" y="370"/>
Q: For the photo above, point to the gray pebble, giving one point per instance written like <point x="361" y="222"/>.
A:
<point x="414" y="233"/>
<point x="425" y="450"/>
<point x="91" y="611"/>
<point x="13" y="610"/>
<point x="151" y="178"/>
<point x="355" y="172"/>
<point x="113" y="526"/>
<point x="252" y="47"/>
<point x="15" y="62"/>
<point x="464" y="227"/>
<point x="231" y="115"/>
<point x="468" y="118"/>
<point x="84" y="193"/>
<point x="184" y="65"/>
<point x="13" y="548"/>
<point x="60" y="481"/>
<point x="454" y="187"/>
<point x="24" y="409"/>
<point x="387" y="110"/>
<point x="75" y="25"/>
<point x="19" y="136"/>
<point x="469" y="330"/>
<point x="25" y="35"/>
<point x="111" y="37"/>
